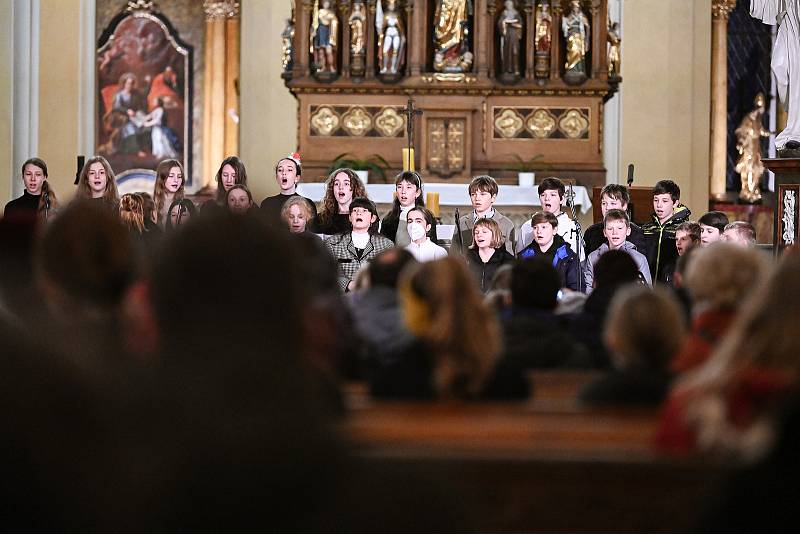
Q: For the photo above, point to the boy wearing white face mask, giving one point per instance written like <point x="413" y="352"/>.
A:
<point x="420" y="221"/>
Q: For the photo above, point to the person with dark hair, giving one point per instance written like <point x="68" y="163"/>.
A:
<point x="287" y="174"/>
<point x="659" y="233"/>
<point x="355" y="249"/>
<point x="612" y="196"/>
<point x="341" y="187"/>
<point x="616" y="229"/>
<point x="712" y="225"/>
<point x="551" y="196"/>
<point x="687" y="235"/>
<point x="644" y="330"/>
<point x="487" y="253"/>
<point x="740" y="233"/>
<point x="37" y="200"/>
<point x="239" y="200"/>
<point x="547" y="242"/>
<point x="421" y="224"/>
<point x="483" y="192"/>
<point x="231" y="172"/>
<point x="612" y="271"/>
<point x="179" y="213"/>
<point x="534" y="336"/>
<point x="408" y="186"/>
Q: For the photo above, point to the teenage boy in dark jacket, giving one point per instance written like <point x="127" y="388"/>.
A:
<point x="659" y="233"/>
<point x="548" y="243"/>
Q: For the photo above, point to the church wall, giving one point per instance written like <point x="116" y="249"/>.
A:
<point x="59" y="92"/>
<point x="6" y="100"/>
<point x="268" y="127"/>
<point x="665" y="95"/>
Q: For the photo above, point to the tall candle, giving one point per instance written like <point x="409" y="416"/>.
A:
<point x="432" y="203"/>
<point x="408" y="162"/>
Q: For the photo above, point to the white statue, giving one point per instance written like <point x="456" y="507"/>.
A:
<point x="785" y="61"/>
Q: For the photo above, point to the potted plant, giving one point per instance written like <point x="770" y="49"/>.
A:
<point x="526" y="169"/>
<point x="374" y="163"/>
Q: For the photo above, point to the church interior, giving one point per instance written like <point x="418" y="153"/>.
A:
<point x="538" y="276"/>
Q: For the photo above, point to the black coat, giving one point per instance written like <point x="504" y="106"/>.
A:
<point x="484" y="272"/>
<point x="26" y="205"/>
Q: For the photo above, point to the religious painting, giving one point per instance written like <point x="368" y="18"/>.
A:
<point x="144" y="86"/>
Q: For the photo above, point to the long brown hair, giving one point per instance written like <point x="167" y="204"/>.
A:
<point x="131" y="212"/>
<point x="241" y="176"/>
<point x="110" y="195"/>
<point x="47" y="194"/>
<point x="330" y="208"/>
<point x="443" y="307"/>
<point x="159" y="190"/>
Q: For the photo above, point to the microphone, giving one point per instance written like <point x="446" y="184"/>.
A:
<point x="630" y="174"/>
<point x="631" y="210"/>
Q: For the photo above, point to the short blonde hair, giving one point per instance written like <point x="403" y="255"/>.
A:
<point x="300" y="202"/>
<point x="723" y="274"/>
<point x="645" y="327"/>
<point x="497" y="234"/>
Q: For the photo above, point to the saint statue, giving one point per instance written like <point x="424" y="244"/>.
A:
<point x="451" y="32"/>
<point x="544" y="21"/>
<point x="748" y="143"/>
<point x="357" y="21"/>
<point x="391" y="37"/>
<point x="287" y="46"/>
<point x="575" y="27"/>
<point x="785" y="61"/>
<point x="614" y="42"/>
<point x="509" y="27"/>
<point x="324" y="31"/>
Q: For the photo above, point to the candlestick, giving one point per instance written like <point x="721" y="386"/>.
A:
<point x="432" y="203"/>
<point x="408" y="162"/>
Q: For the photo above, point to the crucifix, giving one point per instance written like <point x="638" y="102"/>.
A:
<point x="408" y="153"/>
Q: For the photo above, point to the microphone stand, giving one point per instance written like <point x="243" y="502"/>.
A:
<point x="46" y="205"/>
<point x="458" y="233"/>
<point x="579" y="241"/>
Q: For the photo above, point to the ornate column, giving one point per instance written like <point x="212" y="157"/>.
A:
<point x="482" y="34"/>
<point x="720" y="11"/>
<point x="369" y="40"/>
<point x="599" y="33"/>
<point x="220" y="127"/>
<point x="555" y="42"/>
<point x="417" y="46"/>
<point x="302" y="30"/>
<point x="491" y="8"/>
<point x="410" y="33"/>
<point x="530" y="38"/>
<point x="344" y="45"/>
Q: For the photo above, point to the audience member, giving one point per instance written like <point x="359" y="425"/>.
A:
<point x="719" y="279"/>
<point x="643" y="332"/>
<point x="740" y="233"/>
<point x="551" y="196"/>
<point x="342" y="186"/>
<point x="612" y="197"/>
<point x="712" y="224"/>
<point x="457" y="341"/>
<point x="547" y="242"/>
<point x="38" y="200"/>
<point x="659" y="233"/>
<point x="616" y="228"/>
<point x="287" y="175"/>
<point x="354" y="249"/>
<point x="483" y="194"/>
<point x="421" y="224"/>
<point x="487" y="252"/>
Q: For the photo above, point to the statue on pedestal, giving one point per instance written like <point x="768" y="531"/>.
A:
<point x="575" y="27"/>
<point x="614" y="42"/>
<point x="785" y="64"/>
<point x="324" y="37"/>
<point x="748" y="143"/>
<point x="542" y="40"/>
<point x="391" y="38"/>
<point x="509" y="28"/>
<point x="451" y="36"/>
<point x="357" y="22"/>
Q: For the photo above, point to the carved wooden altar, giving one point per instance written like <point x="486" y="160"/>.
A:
<point x="475" y="121"/>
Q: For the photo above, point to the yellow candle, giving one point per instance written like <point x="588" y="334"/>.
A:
<point x="432" y="203"/>
<point x="408" y="162"/>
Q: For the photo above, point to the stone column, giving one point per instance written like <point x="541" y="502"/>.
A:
<point x="720" y="11"/>
<point x="220" y="129"/>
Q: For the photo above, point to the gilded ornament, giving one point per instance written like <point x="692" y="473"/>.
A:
<point x="324" y="121"/>
<point x="748" y="144"/>
<point x="573" y="124"/>
<point x="389" y="122"/>
<point x="508" y="123"/>
<point x="140" y="5"/>
<point x="356" y="121"/>
<point x="541" y="123"/>
<point x="223" y="9"/>
<point x="455" y="145"/>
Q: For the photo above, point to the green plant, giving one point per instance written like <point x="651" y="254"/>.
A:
<point x="374" y="163"/>
<point x="529" y="165"/>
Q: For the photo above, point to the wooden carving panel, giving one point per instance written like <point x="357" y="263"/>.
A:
<point x="446" y="144"/>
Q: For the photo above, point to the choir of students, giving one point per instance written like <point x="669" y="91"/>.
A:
<point x="253" y="295"/>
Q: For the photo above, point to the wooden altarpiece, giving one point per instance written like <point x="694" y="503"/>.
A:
<point x="476" y="121"/>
